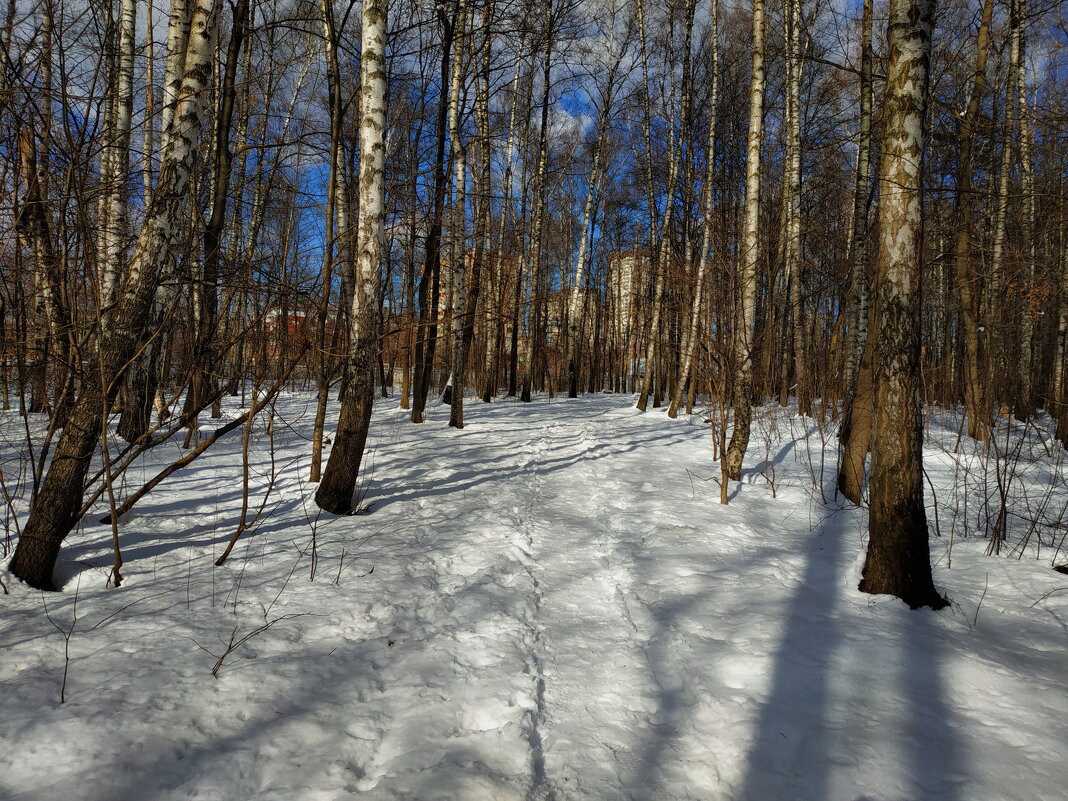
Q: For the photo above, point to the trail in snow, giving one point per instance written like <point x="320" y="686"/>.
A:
<point x="551" y="604"/>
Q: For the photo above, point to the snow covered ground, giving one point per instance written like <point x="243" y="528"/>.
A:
<point x="550" y="604"/>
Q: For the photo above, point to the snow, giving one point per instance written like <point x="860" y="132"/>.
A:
<point x="549" y="604"/>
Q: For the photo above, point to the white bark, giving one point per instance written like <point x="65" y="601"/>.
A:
<point x="339" y="479"/>
<point x="178" y="27"/>
<point x="457" y="256"/>
<point x="148" y="133"/>
<point x="792" y="206"/>
<point x="370" y="226"/>
<point x="116" y="157"/>
<point x="745" y="317"/>
<point x="1027" y="229"/>
<point x="995" y="357"/>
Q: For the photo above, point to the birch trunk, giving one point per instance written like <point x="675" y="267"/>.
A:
<point x="745" y="316"/>
<point x="996" y="365"/>
<point x="205" y="356"/>
<point x="178" y="25"/>
<point x="1025" y="401"/>
<point x="148" y="133"/>
<point x="537" y="271"/>
<point x="857" y="414"/>
<point x="339" y="478"/>
<point x="482" y="213"/>
<point x="116" y="155"/>
<point x="458" y="220"/>
<point x="37" y="231"/>
<point x="898" y="558"/>
<point x="54" y="512"/>
<point x="792" y="208"/>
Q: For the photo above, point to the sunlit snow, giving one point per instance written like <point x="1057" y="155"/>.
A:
<point x="548" y="604"/>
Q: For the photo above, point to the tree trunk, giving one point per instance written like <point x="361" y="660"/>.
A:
<point x="663" y="251"/>
<point x="855" y="429"/>
<point x="686" y="371"/>
<point x="1025" y="398"/>
<point x="482" y="222"/>
<point x="792" y="208"/>
<point x="976" y="390"/>
<point x="55" y="510"/>
<point x="745" y="316"/>
<point x="205" y="355"/>
<point x="458" y="238"/>
<point x="429" y="286"/>
<point x="898" y="559"/>
<point x="537" y="270"/>
<point x="997" y="367"/>
<point x="1057" y="401"/>
<point x="339" y="479"/>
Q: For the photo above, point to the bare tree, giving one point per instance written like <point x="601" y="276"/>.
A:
<point x="339" y="479"/>
<point x="745" y="315"/>
<point x="898" y="560"/>
<point x="55" y="510"/>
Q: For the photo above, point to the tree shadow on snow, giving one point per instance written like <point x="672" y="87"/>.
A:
<point x="802" y="734"/>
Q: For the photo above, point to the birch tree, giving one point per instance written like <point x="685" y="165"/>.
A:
<point x="54" y="512"/>
<point x="537" y="269"/>
<point x="745" y="314"/>
<point x="855" y="430"/>
<point x="616" y="52"/>
<point x="482" y="211"/>
<point x="115" y="158"/>
<point x="339" y="479"/>
<point x="457" y="256"/>
<point x="898" y="558"/>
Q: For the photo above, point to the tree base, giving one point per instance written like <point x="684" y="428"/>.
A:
<point x="916" y="599"/>
<point x="33" y="562"/>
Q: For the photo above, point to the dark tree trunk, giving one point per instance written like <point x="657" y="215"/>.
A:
<point x="429" y="287"/>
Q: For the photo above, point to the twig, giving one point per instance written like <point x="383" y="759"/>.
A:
<point x="986" y="584"/>
<point x="1047" y="595"/>
<point x="67" y="634"/>
<point x="235" y="643"/>
<point x="175" y="466"/>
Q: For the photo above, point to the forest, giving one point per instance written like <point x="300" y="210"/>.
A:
<point x="336" y="270"/>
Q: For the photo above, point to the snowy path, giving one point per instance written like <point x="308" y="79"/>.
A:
<point x="559" y="608"/>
